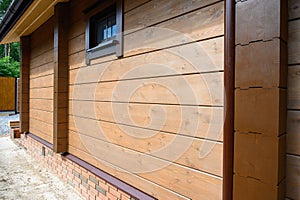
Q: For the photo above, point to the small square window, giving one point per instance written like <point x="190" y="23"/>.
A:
<point x="104" y="33"/>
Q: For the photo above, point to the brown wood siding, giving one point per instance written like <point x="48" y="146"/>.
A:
<point x="293" y="115"/>
<point x="7" y="93"/>
<point x="41" y="82"/>
<point x="164" y="33"/>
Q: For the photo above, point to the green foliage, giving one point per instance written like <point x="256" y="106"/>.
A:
<point x="9" y="53"/>
<point x="9" y="67"/>
<point x="4" y="4"/>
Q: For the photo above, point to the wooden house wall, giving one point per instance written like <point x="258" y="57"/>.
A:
<point x="293" y="115"/>
<point x="41" y="82"/>
<point x="202" y="23"/>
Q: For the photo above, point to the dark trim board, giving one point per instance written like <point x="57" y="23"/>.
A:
<point x="40" y="140"/>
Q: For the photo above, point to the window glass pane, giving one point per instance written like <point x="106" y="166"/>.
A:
<point x="101" y="31"/>
<point x="114" y="30"/>
<point x="105" y="27"/>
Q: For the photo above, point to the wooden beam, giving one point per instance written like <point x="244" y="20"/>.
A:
<point x="61" y="78"/>
<point x="24" y="90"/>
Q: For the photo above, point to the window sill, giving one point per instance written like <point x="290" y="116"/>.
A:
<point x="103" y="49"/>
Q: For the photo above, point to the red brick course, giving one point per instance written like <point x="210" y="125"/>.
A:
<point x="90" y="186"/>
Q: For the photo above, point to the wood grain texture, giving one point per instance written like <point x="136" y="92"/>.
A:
<point x="166" y="78"/>
<point x="293" y="132"/>
<point x="7" y="94"/>
<point x="42" y="134"/>
<point x="24" y="79"/>
<point x="159" y="10"/>
<point x="198" y="154"/>
<point x="43" y="70"/>
<point x="261" y="110"/>
<point x="41" y="93"/>
<point x="261" y="64"/>
<point x="293" y="177"/>
<point x="202" y="122"/>
<point x="42" y="104"/>
<point x="129" y="4"/>
<point x="41" y="126"/>
<point x="42" y="82"/>
<point x="201" y="24"/>
<point x="183" y="180"/>
<point x="204" y="56"/>
<point x="294" y="9"/>
<point x="294" y="42"/>
<point x="198" y="89"/>
<point x="153" y="189"/>
<point x="42" y="59"/>
<point x="253" y="20"/>
<point x="294" y="87"/>
<point x="41" y="115"/>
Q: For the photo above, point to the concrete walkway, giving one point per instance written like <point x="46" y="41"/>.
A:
<point x="22" y="178"/>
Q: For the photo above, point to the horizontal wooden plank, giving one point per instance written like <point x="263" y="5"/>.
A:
<point x="41" y="82"/>
<point x="188" y="182"/>
<point x="43" y="70"/>
<point x="131" y="4"/>
<point x="177" y="60"/>
<point x="293" y="87"/>
<point x="141" y="183"/>
<point x="195" y="153"/>
<point x="42" y="59"/>
<point x="42" y="35"/>
<point x="197" y="89"/>
<point x="294" y="42"/>
<point x="77" y="29"/>
<point x="41" y="104"/>
<point x="77" y="44"/>
<point x="41" y="93"/>
<point x="41" y="115"/>
<point x="203" y="122"/>
<point x="170" y="33"/>
<point x="45" y="43"/>
<point x="198" y="25"/>
<point x="293" y="177"/>
<point x="41" y="134"/>
<point x="294" y="9"/>
<point x="293" y="132"/>
<point x="41" y="127"/>
<point x="157" y="11"/>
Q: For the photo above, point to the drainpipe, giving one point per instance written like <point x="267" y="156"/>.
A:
<point x="229" y="72"/>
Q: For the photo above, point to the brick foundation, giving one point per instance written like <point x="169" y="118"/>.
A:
<point x="90" y="186"/>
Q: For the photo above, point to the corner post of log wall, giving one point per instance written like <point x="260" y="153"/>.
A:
<point x="260" y="99"/>
<point x="24" y="86"/>
<point x="61" y="78"/>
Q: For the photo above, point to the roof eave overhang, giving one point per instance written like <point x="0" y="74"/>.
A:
<point x="24" y="17"/>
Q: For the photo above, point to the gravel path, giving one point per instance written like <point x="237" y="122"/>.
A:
<point x="4" y="128"/>
<point x="21" y="178"/>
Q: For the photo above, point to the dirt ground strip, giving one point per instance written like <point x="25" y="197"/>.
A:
<point x="22" y="178"/>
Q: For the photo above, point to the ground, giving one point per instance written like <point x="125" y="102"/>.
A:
<point x="22" y="178"/>
<point x="4" y="119"/>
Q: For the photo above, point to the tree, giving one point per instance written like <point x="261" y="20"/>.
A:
<point x="4" y="4"/>
<point x="9" y="53"/>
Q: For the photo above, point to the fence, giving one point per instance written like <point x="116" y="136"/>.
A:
<point x="8" y="94"/>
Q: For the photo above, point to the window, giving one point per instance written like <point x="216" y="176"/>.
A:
<point x="104" y="32"/>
